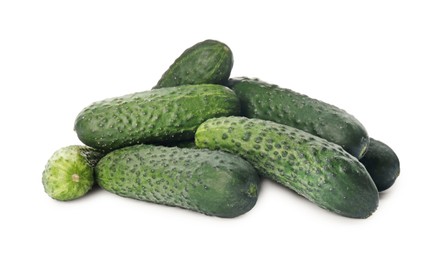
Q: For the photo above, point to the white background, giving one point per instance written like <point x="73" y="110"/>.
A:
<point x="378" y="60"/>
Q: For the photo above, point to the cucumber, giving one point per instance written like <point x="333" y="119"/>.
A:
<point x="382" y="163"/>
<point x="266" y="101"/>
<point x="209" y="61"/>
<point x="210" y="182"/>
<point x="160" y="115"/>
<point x="319" y="170"/>
<point x="68" y="173"/>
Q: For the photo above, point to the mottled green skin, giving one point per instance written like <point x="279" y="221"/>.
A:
<point x="209" y="61"/>
<point x="210" y="182"/>
<point x="161" y="115"/>
<point x="68" y="173"/>
<point x="318" y="170"/>
<point x="269" y="102"/>
<point x="382" y="163"/>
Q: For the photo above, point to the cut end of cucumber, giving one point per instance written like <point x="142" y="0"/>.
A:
<point x="69" y="174"/>
<point x="75" y="177"/>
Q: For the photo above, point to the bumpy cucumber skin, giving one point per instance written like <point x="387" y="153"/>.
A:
<point x="161" y="115"/>
<point x="68" y="174"/>
<point x="210" y="182"/>
<point x="382" y="163"/>
<point x="319" y="170"/>
<point x="266" y="101"/>
<point x="209" y="61"/>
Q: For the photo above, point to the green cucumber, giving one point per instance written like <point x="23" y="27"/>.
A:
<point x="209" y="61"/>
<point x="266" y="101"/>
<point x="319" y="170"/>
<point x="68" y="173"/>
<point x="382" y="163"/>
<point x="160" y="115"/>
<point x="210" y="182"/>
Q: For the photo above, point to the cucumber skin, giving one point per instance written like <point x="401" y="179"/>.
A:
<point x="318" y="170"/>
<point x="161" y="115"/>
<point x="209" y="61"/>
<point x="210" y="182"/>
<point x="266" y="101"/>
<point x="58" y="176"/>
<point x="382" y="163"/>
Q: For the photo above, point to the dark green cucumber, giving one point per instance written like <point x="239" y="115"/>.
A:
<point x="160" y="115"/>
<point x="269" y="102"/>
<point x="68" y="173"/>
<point x="209" y="61"/>
<point x="210" y="182"/>
<point x="319" y="170"/>
<point x="382" y="163"/>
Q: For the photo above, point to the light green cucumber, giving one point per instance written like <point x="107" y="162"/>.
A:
<point x="68" y="173"/>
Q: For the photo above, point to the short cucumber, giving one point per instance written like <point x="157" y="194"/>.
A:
<point x="319" y="170"/>
<point x="209" y="61"/>
<point x="68" y="173"/>
<point x="266" y="101"/>
<point x="210" y="182"/>
<point x="160" y="115"/>
<point x="382" y="163"/>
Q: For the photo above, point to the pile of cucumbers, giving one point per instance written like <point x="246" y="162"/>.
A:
<point x="203" y="141"/>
